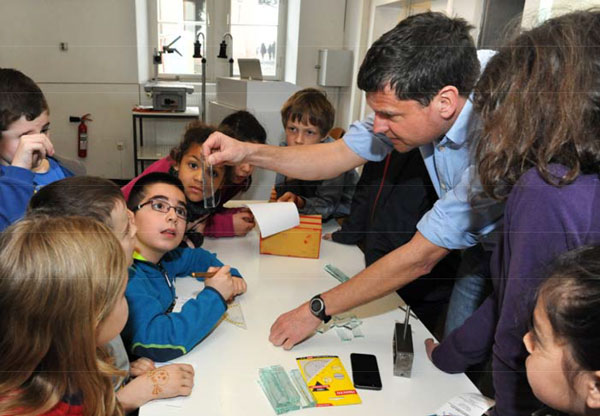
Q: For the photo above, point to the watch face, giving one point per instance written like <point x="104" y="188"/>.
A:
<point x="316" y="305"/>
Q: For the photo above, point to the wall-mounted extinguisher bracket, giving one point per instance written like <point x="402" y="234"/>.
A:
<point x="82" y="135"/>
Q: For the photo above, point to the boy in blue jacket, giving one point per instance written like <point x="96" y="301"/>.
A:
<point x="25" y="146"/>
<point x="153" y="329"/>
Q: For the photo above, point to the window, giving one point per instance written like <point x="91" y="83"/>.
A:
<point x="179" y="22"/>
<point x="256" y="26"/>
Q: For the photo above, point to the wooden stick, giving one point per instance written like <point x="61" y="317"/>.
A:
<point x="206" y="275"/>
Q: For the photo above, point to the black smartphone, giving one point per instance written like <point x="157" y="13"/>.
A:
<point x="365" y="372"/>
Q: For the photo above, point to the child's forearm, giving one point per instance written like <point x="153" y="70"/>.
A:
<point x="130" y="398"/>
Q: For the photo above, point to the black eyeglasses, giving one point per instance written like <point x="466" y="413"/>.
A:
<point x="164" y="207"/>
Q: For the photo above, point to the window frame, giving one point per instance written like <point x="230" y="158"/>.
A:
<point x="218" y="15"/>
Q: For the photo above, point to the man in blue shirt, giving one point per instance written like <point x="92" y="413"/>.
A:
<point x="418" y="78"/>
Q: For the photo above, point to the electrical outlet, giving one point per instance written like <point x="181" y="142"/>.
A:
<point x="120" y="146"/>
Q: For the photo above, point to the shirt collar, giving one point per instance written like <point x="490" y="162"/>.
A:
<point x="459" y="131"/>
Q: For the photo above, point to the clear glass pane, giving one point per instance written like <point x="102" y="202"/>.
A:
<point x="170" y="10"/>
<point x="251" y="41"/>
<point x="173" y="63"/>
<point x="247" y="12"/>
<point x="194" y="10"/>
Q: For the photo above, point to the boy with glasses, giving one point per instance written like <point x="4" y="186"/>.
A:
<point x="153" y="329"/>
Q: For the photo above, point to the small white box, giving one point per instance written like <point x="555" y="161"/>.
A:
<point x="335" y="68"/>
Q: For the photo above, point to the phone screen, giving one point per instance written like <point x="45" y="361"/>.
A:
<point x="365" y="372"/>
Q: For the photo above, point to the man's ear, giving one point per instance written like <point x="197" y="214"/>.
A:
<point x="592" y="399"/>
<point x="448" y="102"/>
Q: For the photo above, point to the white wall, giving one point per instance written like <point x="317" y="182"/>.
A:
<point x="355" y="33"/>
<point x="98" y="74"/>
<point x="291" y="41"/>
<point x="101" y="36"/>
<point x="320" y="26"/>
<point x="536" y="11"/>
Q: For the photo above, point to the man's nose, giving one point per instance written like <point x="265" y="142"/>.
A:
<point x="380" y="124"/>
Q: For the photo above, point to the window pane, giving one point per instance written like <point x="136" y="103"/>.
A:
<point x="265" y="12"/>
<point x="254" y="25"/>
<point x="194" y="10"/>
<point x="172" y="62"/>
<point x="183" y="18"/>
<point x="170" y="10"/>
<point x="252" y="41"/>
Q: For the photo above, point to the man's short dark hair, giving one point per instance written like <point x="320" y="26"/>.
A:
<point x="138" y="191"/>
<point x="86" y="196"/>
<point x="19" y="96"/>
<point x="420" y="56"/>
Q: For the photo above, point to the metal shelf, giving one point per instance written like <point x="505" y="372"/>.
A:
<point x="152" y="152"/>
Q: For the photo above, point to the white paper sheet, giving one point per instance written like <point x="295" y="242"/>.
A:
<point x="469" y="404"/>
<point x="275" y="217"/>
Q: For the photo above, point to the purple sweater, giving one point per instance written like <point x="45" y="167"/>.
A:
<point x="540" y="222"/>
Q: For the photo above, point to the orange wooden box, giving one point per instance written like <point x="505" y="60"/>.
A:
<point x="301" y="241"/>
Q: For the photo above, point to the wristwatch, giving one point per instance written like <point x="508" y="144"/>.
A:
<point x="317" y="308"/>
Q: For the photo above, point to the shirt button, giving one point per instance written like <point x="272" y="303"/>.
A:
<point x="443" y="185"/>
<point x="441" y="148"/>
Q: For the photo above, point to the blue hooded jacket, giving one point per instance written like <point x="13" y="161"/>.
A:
<point x="153" y="330"/>
<point x="17" y="186"/>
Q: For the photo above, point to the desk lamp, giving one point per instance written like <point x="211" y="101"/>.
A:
<point x="223" y="52"/>
<point x="157" y="56"/>
<point x="198" y="54"/>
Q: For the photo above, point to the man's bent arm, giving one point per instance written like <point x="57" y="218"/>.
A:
<point x="393" y="271"/>
<point x="311" y="162"/>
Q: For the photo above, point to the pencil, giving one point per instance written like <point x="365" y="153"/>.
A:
<point x="206" y="275"/>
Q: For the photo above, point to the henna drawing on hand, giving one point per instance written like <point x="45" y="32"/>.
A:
<point x="159" y="378"/>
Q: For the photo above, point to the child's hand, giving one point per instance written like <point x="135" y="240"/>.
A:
<point x="222" y="282"/>
<point x="327" y="236"/>
<point x="243" y="222"/>
<point x="292" y="197"/>
<point x="430" y="345"/>
<point x="141" y="366"/>
<point x="32" y="150"/>
<point x="161" y="383"/>
<point x="273" y="196"/>
<point x="239" y="286"/>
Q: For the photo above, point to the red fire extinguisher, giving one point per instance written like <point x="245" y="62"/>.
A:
<point x="82" y="136"/>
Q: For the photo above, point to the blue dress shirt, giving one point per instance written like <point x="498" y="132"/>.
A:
<point x="460" y="218"/>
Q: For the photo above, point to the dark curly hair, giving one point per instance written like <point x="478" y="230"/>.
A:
<point x="539" y="99"/>
<point x="197" y="132"/>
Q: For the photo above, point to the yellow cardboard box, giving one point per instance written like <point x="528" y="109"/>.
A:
<point x="301" y="241"/>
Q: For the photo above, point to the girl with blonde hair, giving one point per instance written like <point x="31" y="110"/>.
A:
<point x="62" y="285"/>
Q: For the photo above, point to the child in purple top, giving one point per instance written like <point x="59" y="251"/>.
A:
<point x="545" y="161"/>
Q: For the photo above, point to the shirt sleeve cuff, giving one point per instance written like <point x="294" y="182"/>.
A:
<point x="438" y="231"/>
<point x="218" y="294"/>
